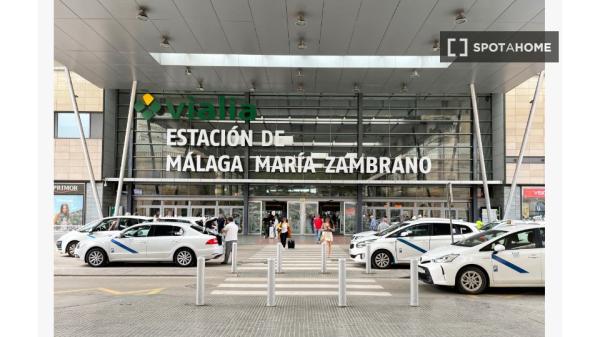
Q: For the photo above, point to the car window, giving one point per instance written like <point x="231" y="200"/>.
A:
<point x="461" y="229"/>
<point x="125" y="223"/>
<point x="177" y="231"/>
<point x="442" y="229"/>
<point x="105" y="225"/>
<point x="479" y="238"/>
<point x="417" y="230"/>
<point x="136" y="232"/>
<point x="516" y="241"/>
<point x="162" y="230"/>
<point x="543" y="236"/>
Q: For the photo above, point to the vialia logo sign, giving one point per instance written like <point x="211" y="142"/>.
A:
<point x="227" y="109"/>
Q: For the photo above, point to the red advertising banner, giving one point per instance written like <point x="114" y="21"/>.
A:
<point x="534" y="192"/>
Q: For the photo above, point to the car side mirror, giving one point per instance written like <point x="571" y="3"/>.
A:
<point x="499" y="248"/>
<point x="405" y="233"/>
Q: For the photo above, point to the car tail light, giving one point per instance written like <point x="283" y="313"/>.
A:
<point x="212" y="241"/>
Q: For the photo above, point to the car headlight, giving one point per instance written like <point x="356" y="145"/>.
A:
<point x="363" y="244"/>
<point x="446" y="258"/>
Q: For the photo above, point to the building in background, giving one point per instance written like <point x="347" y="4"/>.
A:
<point x="529" y="195"/>
<point x="73" y="200"/>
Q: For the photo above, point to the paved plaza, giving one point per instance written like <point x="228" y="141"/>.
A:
<point x="159" y="300"/>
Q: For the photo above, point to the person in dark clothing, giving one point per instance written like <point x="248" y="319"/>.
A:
<point x="220" y="226"/>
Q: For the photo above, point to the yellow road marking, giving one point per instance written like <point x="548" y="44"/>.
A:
<point x="152" y="291"/>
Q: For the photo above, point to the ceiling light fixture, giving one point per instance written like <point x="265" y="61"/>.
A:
<point x="415" y="74"/>
<point x="356" y="88"/>
<point x="141" y="15"/>
<point x="436" y="45"/>
<point x="165" y="42"/>
<point x="300" y="22"/>
<point x="460" y="18"/>
<point x="188" y="71"/>
<point x="200" y="86"/>
<point x="299" y="72"/>
<point x="301" y="44"/>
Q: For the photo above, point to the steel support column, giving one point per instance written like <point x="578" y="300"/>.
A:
<point x="246" y="187"/>
<point x="86" y="154"/>
<point x="125" y="148"/>
<point x="513" y="185"/>
<point x="486" y="191"/>
<point x="359" y="153"/>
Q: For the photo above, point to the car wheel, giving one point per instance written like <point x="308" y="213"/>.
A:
<point x="96" y="257"/>
<point x="471" y="280"/>
<point x="184" y="257"/>
<point x="71" y="248"/>
<point x="381" y="259"/>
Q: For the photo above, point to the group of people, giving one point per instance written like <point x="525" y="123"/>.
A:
<point x="374" y="225"/>
<point x="228" y="230"/>
<point x="279" y="226"/>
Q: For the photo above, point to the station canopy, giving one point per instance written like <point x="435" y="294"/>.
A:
<point x="111" y="43"/>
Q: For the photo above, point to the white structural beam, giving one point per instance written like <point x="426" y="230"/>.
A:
<point x="513" y="185"/>
<point x="125" y="147"/>
<point x="86" y="153"/>
<point x="486" y="191"/>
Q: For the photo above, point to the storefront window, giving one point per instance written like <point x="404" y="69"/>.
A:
<point x="533" y="202"/>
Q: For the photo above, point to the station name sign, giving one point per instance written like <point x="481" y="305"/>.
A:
<point x="301" y="163"/>
<point x="225" y="109"/>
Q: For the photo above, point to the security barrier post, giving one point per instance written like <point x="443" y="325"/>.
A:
<point x="368" y="258"/>
<point x="323" y="260"/>
<point x="279" y="255"/>
<point x="270" y="282"/>
<point x="414" y="283"/>
<point x="342" y="283"/>
<point x="200" y="281"/>
<point x="234" y="258"/>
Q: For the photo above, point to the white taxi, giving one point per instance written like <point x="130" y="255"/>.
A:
<point x="103" y="227"/>
<point x="509" y="256"/>
<point x="399" y="244"/>
<point x="152" y="241"/>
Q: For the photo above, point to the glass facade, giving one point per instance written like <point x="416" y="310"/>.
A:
<point x="437" y="127"/>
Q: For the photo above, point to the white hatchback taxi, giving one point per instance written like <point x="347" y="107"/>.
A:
<point x="103" y="227"/>
<point x="152" y="241"/>
<point x="509" y="256"/>
<point x="399" y="244"/>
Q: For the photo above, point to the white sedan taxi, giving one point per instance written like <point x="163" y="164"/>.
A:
<point x="152" y="241"/>
<point x="400" y="244"/>
<point x="103" y="227"/>
<point x="509" y="256"/>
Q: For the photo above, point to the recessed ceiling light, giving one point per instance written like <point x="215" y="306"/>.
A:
<point x="200" y="86"/>
<point x="141" y="15"/>
<point x="300" y="22"/>
<point x="165" y="42"/>
<point x="460" y="18"/>
<point x="188" y="71"/>
<point x="299" y="72"/>
<point x="301" y="44"/>
<point x="436" y="45"/>
<point x="356" y="88"/>
<point x="415" y="74"/>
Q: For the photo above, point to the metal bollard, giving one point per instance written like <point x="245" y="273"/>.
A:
<point x="200" y="281"/>
<point x="368" y="258"/>
<point x="414" y="283"/>
<point x="234" y="258"/>
<point x="342" y="283"/>
<point x="323" y="260"/>
<point x="270" y="282"/>
<point x="279" y="258"/>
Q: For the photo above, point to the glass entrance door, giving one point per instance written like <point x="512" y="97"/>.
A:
<point x="310" y="211"/>
<point x="294" y="215"/>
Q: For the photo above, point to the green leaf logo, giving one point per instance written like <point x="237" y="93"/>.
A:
<point x="148" y="108"/>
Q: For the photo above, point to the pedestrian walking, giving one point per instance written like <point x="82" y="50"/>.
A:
<point x="383" y="225"/>
<point x="318" y="224"/>
<point x="327" y="235"/>
<point x="231" y="235"/>
<point x="373" y="223"/>
<point x="284" y="230"/>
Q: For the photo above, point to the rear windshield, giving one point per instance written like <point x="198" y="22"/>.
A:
<point x="197" y="228"/>
<point x="480" y="238"/>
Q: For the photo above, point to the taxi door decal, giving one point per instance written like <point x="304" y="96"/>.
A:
<point x="508" y="264"/>
<point x="412" y="245"/>
<point x="131" y="250"/>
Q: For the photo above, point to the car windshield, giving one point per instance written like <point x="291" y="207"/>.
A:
<point x="390" y="229"/>
<point x="88" y="226"/>
<point x="480" y="238"/>
<point x="491" y="225"/>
